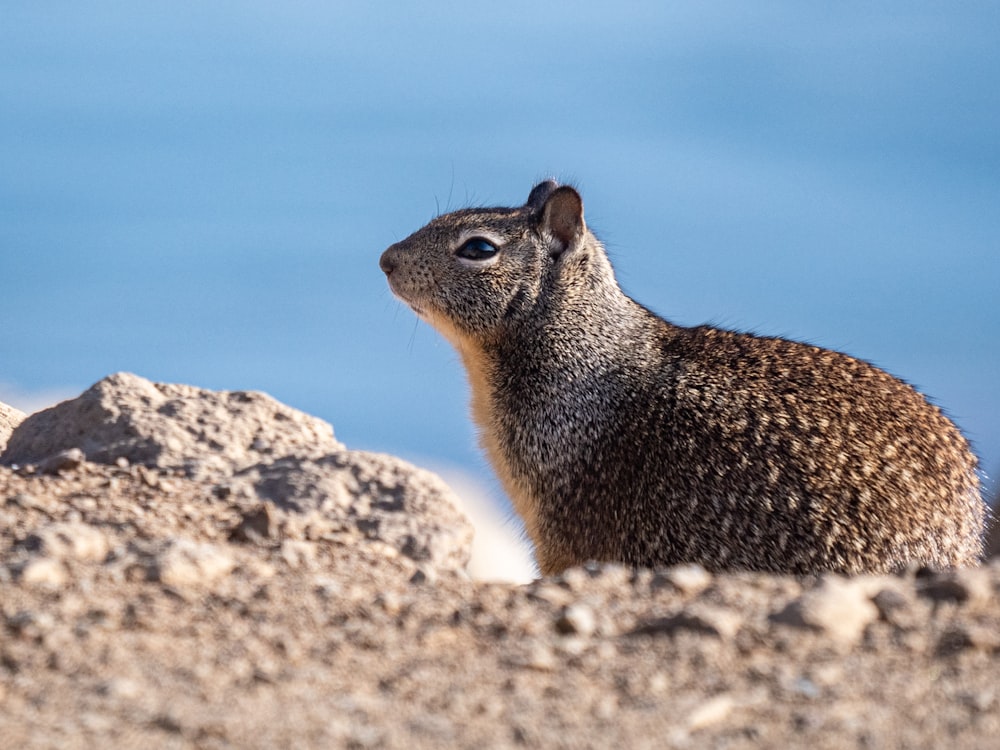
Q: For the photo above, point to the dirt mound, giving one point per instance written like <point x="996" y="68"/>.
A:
<point x="283" y="467"/>
<point x="305" y="595"/>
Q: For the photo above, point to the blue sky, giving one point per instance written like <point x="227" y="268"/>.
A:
<point x="199" y="192"/>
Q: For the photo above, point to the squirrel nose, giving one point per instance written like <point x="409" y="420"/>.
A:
<point x="387" y="262"/>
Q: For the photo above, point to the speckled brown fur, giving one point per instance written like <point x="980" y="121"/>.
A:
<point x="621" y="437"/>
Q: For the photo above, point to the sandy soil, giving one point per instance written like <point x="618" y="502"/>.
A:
<point x="137" y="610"/>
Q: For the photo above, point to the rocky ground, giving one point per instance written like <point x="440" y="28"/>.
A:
<point x="183" y="568"/>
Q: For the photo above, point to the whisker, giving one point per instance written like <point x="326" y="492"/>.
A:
<point x="413" y="336"/>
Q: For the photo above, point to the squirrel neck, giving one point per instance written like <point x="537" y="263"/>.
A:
<point x="568" y="367"/>
<point x="576" y="329"/>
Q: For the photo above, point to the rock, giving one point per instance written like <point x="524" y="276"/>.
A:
<point x="540" y="658"/>
<point x="248" y="443"/>
<point x="953" y="641"/>
<point x="62" y="461"/>
<point x="577" y="619"/>
<point x="168" y="427"/>
<point x="44" y="571"/>
<point x="382" y="498"/>
<point x="895" y="607"/>
<point x="119" y="687"/>
<point x="575" y="579"/>
<point x="183" y="562"/>
<point x="555" y="595"/>
<point x="256" y="525"/>
<point x="27" y="501"/>
<point x="958" y="586"/>
<point x="70" y="540"/>
<point x="422" y="575"/>
<point x="697" y="618"/>
<point x="712" y="711"/>
<point x="30" y="624"/>
<point x="837" y="607"/>
<point x="9" y="419"/>
<point x="980" y="701"/>
<point x="688" y="579"/>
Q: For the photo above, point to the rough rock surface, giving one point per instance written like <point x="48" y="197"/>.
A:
<point x="374" y="496"/>
<point x="9" y="419"/>
<point x="151" y="606"/>
<point x="281" y="467"/>
<point x="169" y="426"/>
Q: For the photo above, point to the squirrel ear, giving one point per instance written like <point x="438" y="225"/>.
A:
<point x="562" y="218"/>
<point x="540" y="193"/>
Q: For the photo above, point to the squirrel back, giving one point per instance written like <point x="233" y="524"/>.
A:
<point x="621" y="437"/>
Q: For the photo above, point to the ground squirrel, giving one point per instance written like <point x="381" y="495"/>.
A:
<point x="622" y="437"/>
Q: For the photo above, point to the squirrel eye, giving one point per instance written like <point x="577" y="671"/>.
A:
<point x="476" y="249"/>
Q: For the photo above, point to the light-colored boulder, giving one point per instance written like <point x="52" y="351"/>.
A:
<point x="9" y="419"/>
<point x="309" y="485"/>
<point x="169" y="426"/>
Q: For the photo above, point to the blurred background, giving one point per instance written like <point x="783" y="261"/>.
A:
<point x="199" y="192"/>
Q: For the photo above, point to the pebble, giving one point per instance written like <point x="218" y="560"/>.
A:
<point x="606" y="707"/>
<point x="701" y="619"/>
<point x="148" y="476"/>
<point x="573" y="645"/>
<point x="554" y="595"/>
<point x="981" y="701"/>
<point x="70" y="540"/>
<point x="94" y="722"/>
<point x="390" y="602"/>
<point x="958" y="586"/>
<point x="577" y="619"/>
<point x="712" y="711"/>
<point x="424" y="574"/>
<point x="327" y="588"/>
<point x="257" y="524"/>
<point x="62" y="461"/>
<point x="610" y="575"/>
<point x="688" y="579"/>
<point x="953" y="640"/>
<point x="960" y="637"/>
<point x="837" y="608"/>
<point x="574" y="579"/>
<point x="540" y="658"/>
<point x="28" y="624"/>
<point x="186" y="563"/>
<point x="26" y="501"/>
<point x="805" y="687"/>
<point x="889" y="602"/>
<point x="44" y="571"/>
<point x="659" y="683"/>
<point x="297" y="553"/>
<point x="119" y="687"/>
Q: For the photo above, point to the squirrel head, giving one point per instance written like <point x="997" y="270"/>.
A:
<point x="476" y="272"/>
